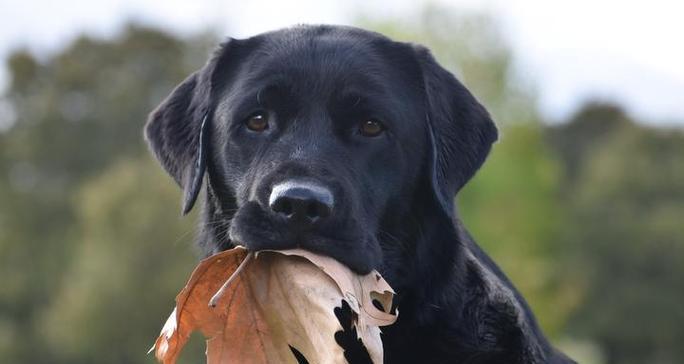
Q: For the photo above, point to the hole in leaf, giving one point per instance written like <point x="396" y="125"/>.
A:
<point x="299" y="356"/>
<point x="194" y="350"/>
<point x="354" y="350"/>
<point x="378" y="305"/>
<point x="379" y="298"/>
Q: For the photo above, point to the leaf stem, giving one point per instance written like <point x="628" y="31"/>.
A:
<point x="217" y="296"/>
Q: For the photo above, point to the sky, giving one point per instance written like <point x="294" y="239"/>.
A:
<point x="628" y="51"/>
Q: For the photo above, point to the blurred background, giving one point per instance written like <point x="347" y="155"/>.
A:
<point x="581" y="201"/>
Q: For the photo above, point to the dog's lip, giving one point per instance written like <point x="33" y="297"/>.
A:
<point x="299" y="240"/>
<point x="311" y="241"/>
<point x="348" y="242"/>
<point x="298" y="226"/>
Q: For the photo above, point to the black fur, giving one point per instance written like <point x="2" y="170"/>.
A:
<point x="394" y="193"/>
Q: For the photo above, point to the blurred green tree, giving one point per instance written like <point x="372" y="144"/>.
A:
<point x="77" y="113"/>
<point x="128" y="264"/>
<point x="626" y="233"/>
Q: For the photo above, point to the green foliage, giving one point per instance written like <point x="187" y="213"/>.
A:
<point x="627" y="234"/>
<point x="131" y="257"/>
<point x="78" y="112"/>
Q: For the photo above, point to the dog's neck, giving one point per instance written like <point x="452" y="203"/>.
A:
<point x="461" y="303"/>
<point x="420" y="238"/>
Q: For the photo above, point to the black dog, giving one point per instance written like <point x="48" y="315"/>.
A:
<point x="346" y="143"/>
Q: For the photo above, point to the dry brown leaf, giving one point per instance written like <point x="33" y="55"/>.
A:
<point x="281" y="299"/>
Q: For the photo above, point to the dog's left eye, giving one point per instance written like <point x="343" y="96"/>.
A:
<point x="257" y="122"/>
<point x="371" y="128"/>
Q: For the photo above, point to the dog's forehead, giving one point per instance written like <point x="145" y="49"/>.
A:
<point x="320" y="60"/>
<point x="324" y="68"/>
<point x="316" y="45"/>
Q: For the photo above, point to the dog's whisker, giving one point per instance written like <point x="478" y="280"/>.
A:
<point x="183" y="236"/>
<point x="401" y="243"/>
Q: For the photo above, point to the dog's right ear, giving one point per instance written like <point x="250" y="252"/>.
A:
<point x="177" y="130"/>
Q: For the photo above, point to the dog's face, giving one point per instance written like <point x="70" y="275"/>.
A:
<point x="320" y="138"/>
<point x="315" y="142"/>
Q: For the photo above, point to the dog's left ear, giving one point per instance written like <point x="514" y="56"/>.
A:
<point x="460" y="130"/>
<point x="177" y="130"/>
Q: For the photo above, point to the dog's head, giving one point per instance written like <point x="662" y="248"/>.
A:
<point x="319" y="137"/>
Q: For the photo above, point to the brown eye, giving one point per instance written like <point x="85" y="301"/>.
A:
<point x="257" y="122"/>
<point x="371" y="128"/>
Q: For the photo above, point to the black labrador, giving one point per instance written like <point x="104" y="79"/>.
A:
<point x="346" y="143"/>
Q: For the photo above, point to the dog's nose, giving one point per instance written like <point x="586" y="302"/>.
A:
<point x="301" y="203"/>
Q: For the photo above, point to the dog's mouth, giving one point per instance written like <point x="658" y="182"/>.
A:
<point x="345" y="241"/>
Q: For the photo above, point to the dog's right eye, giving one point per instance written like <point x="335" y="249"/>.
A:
<point x="371" y="128"/>
<point x="257" y="122"/>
